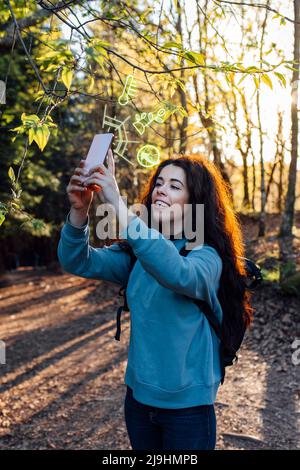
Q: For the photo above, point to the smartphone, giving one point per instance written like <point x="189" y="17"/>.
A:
<point x="97" y="153"/>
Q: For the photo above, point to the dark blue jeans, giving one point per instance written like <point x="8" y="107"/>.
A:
<point x="151" y="428"/>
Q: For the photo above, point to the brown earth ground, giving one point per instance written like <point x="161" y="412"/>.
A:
<point x="62" y="385"/>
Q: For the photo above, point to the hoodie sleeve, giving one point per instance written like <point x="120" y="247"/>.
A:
<point x="196" y="275"/>
<point x="77" y="257"/>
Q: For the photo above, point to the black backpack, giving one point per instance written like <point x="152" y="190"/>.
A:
<point x="228" y="356"/>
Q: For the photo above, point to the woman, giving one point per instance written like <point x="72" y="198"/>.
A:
<point x="173" y="370"/>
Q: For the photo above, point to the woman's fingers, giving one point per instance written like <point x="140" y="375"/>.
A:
<point x="99" y="168"/>
<point x="77" y="178"/>
<point x="94" y="179"/>
<point x="79" y="181"/>
<point x="81" y="171"/>
<point x="73" y="187"/>
<point x="111" y="162"/>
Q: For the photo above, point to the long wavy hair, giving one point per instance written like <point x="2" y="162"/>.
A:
<point x="222" y="231"/>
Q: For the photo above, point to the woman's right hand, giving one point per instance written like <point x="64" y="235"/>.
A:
<point x="79" y="196"/>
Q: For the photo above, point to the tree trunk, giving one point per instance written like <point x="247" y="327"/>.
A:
<point x="288" y="265"/>
<point x="280" y="185"/>
<point x="253" y="182"/>
<point x="246" y="200"/>
<point x="278" y="156"/>
<point x="208" y="122"/>
<point x="183" y="101"/>
<point x="288" y="214"/>
<point x="262" y="218"/>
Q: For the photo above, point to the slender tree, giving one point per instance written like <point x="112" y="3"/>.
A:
<point x="288" y="265"/>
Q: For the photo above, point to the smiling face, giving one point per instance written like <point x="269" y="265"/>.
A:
<point x="170" y="190"/>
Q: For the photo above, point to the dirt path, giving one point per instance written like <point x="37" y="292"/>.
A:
<point x="62" y="385"/>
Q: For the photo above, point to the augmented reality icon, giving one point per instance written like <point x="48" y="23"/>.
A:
<point x="142" y="121"/>
<point x="164" y="110"/>
<point x="148" y="156"/>
<point x="129" y="90"/>
<point x="122" y="139"/>
<point x="160" y="115"/>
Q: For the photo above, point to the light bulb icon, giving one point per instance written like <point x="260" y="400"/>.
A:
<point x="129" y="90"/>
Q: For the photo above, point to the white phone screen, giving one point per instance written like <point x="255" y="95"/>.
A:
<point x="98" y="149"/>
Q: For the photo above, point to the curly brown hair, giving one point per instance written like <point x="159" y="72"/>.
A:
<point x="222" y="231"/>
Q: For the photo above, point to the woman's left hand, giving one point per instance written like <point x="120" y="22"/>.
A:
<point x="104" y="177"/>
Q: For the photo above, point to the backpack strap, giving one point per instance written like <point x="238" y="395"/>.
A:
<point x="204" y="307"/>
<point x="211" y="318"/>
<point x="253" y="272"/>
<point x="122" y="292"/>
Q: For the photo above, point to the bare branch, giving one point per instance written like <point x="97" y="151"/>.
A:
<point x="137" y="67"/>
<point x="32" y="20"/>
<point x="257" y="5"/>
<point x="31" y="61"/>
<point x="38" y="17"/>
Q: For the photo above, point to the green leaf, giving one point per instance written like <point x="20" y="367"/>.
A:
<point x="99" y="59"/>
<point x="230" y="78"/>
<point x="11" y="174"/>
<point x="17" y="129"/>
<point x="3" y="212"/>
<point x="195" y="57"/>
<point x="91" y="84"/>
<point x="182" y="111"/>
<point x="256" y="81"/>
<point x="266" y="79"/>
<point x="97" y="47"/>
<point x="31" y="135"/>
<point x="171" y="44"/>
<point x="40" y="94"/>
<point x="98" y="42"/>
<point x="282" y="78"/>
<point x="41" y="136"/>
<point x="252" y="69"/>
<point x="51" y="68"/>
<point x="29" y="120"/>
<point x="181" y="84"/>
<point x="67" y="76"/>
<point x="2" y="218"/>
<point x="146" y="14"/>
<point x="243" y="78"/>
<point x="291" y="68"/>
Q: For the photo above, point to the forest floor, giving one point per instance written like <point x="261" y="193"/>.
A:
<point x="62" y="385"/>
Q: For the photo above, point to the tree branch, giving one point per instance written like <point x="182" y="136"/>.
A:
<point x="32" y="20"/>
<point x="31" y="61"/>
<point x="258" y="5"/>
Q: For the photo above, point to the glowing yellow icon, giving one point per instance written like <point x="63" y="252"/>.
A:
<point x="142" y="121"/>
<point x="129" y="90"/>
<point x="163" y="111"/>
<point x="148" y="156"/>
<point x="160" y="115"/>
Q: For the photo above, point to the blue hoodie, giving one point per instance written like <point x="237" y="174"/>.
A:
<point x="174" y="353"/>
